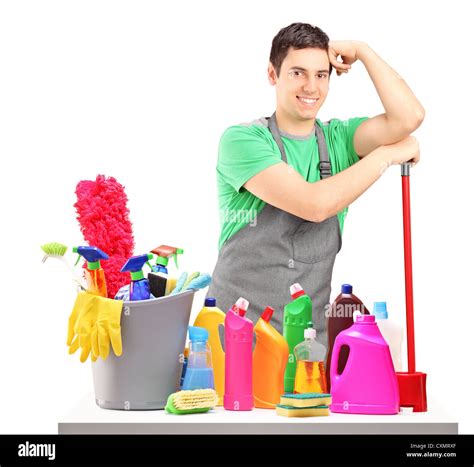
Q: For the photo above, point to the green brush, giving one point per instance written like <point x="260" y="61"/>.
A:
<point x="58" y="250"/>
<point x="191" y="401"/>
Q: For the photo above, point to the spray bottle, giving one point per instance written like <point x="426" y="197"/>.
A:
<point x="295" y="318"/>
<point x="94" y="273"/>
<point x="158" y="277"/>
<point x="238" y="358"/>
<point x="139" y="287"/>
<point x="269" y="361"/>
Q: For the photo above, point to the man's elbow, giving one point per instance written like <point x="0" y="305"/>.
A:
<point x="415" y="121"/>
<point x="317" y="213"/>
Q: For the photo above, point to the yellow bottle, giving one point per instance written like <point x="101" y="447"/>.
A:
<point x="269" y="362"/>
<point x="211" y="318"/>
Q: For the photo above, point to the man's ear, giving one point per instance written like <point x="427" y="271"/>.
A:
<point x="271" y="73"/>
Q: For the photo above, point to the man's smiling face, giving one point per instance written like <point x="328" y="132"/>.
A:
<point x="303" y="83"/>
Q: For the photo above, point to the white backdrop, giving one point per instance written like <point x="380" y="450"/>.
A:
<point x="142" y="91"/>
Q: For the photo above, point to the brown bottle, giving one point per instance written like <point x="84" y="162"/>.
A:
<point x="340" y="318"/>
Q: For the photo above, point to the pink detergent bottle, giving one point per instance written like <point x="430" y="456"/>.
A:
<point x="238" y="393"/>
<point x="367" y="384"/>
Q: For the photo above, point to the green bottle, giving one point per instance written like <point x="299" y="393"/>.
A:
<point x="295" y="319"/>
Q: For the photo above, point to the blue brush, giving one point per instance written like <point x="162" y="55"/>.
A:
<point x="199" y="282"/>
<point x="179" y="284"/>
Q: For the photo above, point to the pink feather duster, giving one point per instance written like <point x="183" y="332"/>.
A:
<point x="104" y="219"/>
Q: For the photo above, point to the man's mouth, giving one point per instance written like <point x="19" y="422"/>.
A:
<point x="307" y="101"/>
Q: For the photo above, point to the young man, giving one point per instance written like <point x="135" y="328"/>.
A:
<point x="285" y="183"/>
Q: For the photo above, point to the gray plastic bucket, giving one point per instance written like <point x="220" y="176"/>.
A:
<point x="149" y="369"/>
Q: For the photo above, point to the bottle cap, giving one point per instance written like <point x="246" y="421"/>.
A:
<point x="210" y="302"/>
<point x="380" y="310"/>
<point x="346" y="288"/>
<point x="310" y="332"/>
<point x="365" y="319"/>
<point x="296" y="290"/>
<point x="241" y="306"/>
<point x="197" y="334"/>
<point x="267" y="314"/>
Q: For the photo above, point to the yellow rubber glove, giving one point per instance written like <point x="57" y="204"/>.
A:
<point x="108" y="328"/>
<point x="82" y="326"/>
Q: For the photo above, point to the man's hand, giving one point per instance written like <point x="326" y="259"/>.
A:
<point x="406" y="150"/>
<point x="348" y="50"/>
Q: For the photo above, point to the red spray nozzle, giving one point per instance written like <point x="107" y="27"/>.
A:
<point x="267" y="314"/>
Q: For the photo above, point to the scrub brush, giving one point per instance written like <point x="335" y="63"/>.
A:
<point x="58" y="250"/>
<point x="193" y="401"/>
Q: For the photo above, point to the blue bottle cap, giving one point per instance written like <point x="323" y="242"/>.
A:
<point x="197" y="334"/>
<point x="380" y="310"/>
<point x="210" y="301"/>
<point x="346" y="288"/>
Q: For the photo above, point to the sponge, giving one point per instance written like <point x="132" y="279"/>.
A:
<point x="287" y="411"/>
<point x="308" y="399"/>
<point x="192" y="401"/>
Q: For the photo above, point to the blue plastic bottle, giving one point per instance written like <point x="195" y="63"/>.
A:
<point x="139" y="287"/>
<point x="199" y="374"/>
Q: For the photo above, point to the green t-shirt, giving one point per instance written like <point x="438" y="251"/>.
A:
<point x="249" y="148"/>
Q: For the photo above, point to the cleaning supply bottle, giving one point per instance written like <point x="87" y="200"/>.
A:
<point x="310" y="373"/>
<point x="158" y="276"/>
<point x="340" y="318"/>
<point x="269" y="362"/>
<point x="212" y="318"/>
<point x="199" y="373"/>
<point x="295" y="317"/>
<point x="368" y="383"/>
<point x="139" y="287"/>
<point x="238" y="358"/>
<point x="185" y="365"/>
<point x="94" y="273"/>
<point x="391" y="332"/>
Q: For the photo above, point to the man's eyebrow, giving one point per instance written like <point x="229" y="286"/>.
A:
<point x="298" y="68"/>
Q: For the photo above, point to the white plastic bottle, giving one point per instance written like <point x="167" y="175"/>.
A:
<point x="391" y="332"/>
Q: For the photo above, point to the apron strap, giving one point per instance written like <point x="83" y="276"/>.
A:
<point x="324" y="163"/>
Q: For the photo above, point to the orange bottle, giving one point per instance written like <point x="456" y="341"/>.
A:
<point x="269" y="361"/>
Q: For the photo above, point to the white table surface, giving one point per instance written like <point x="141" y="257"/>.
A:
<point x="87" y="418"/>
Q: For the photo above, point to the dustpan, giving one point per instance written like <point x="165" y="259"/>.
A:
<point x="412" y="384"/>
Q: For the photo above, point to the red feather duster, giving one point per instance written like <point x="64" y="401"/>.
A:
<point x="104" y="219"/>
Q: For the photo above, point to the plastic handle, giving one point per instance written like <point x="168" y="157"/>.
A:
<point x="410" y="320"/>
<point x="340" y="341"/>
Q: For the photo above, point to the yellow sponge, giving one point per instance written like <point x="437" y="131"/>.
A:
<point x="308" y="399"/>
<point x="287" y="411"/>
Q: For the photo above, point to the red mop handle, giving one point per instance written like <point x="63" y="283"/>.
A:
<point x="408" y="267"/>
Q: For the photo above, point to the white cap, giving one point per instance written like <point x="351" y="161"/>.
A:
<point x="242" y="304"/>
<point x="295" y="288"/>
<point x="310" y="333"/>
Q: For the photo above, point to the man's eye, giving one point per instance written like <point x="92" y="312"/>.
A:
<point x="322" y="75"/>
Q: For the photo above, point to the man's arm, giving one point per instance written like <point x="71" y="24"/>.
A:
<point x="403" y="112"/>
<point x="283" y="187"/>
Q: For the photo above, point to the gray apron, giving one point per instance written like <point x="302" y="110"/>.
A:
<point x="263" y="259"/>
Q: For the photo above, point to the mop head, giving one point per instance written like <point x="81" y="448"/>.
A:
<point x="104" y="220"/>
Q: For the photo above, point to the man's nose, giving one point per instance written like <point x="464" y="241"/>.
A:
<point x="311" y="85"/>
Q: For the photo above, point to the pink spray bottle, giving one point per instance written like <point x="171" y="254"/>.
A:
<point x="238" y="393"/>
